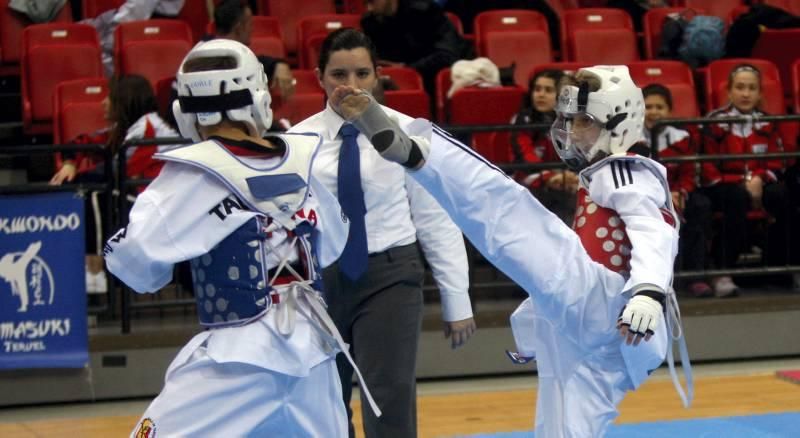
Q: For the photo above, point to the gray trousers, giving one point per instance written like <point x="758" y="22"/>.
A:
<point x="380" y="316"/>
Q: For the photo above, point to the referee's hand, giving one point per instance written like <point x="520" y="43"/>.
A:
<point x="459" y="332"/>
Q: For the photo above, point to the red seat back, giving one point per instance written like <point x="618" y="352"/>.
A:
<point x="406" y="78"/>
<point x="151" y="48"/>
<point x="414" y="103"/>
<point x="782" y="47"/>
<point x="195" y="14"/>
<point x="525" y="49"/>
<point x="590" y="18"/>
<point x="505" y="20"/>
<point x="289" y="13"/>
<point x="674" y="75"/>
<point x="604" y="46"/>
<point x="77" y="108"/>
<point x="312" y="27"/>
<point x="12" y="23"/>
<point x="53" y="53"/>
<point x="485" y="106"/>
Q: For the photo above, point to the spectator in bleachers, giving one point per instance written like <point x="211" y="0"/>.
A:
<point x="414" y="33"/>
<point x="693" y="207"/>
<point x="132" y="113"/>
<point x="554" y="188"/>
<point x="759" y="182"/>
<point x="234" y="20"/>
<point x="131" y="10"/>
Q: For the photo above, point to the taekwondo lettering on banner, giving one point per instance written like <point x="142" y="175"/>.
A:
<point x="42" y="284"/>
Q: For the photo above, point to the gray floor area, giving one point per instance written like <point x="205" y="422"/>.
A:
<point x="425" y="388"/>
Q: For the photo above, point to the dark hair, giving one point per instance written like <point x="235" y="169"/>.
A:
<point x="228" y="14"/>
<point x="345" y="39"/>
<point x="553" y="74"/>
<point x="658" y="90"/>
<point x="741" y="68"/>
<point x="209" y="64"/>
<point x="130" y="97"/>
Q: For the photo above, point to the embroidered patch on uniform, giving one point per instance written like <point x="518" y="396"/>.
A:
<point x="146" y="429"/>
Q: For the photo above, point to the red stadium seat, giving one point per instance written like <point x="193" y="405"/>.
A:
<point x="414" y="103"/>
<point x="12" y="24"/>
<point x="604" y="46"/>
<point x="93" y="8"/>
<point x="53" y="53"/>
<point x="653" y="23"/>
<point x="299" y="107"/>
<point x="774" y="45"/>
<point x="195" y="14"/>
<point x="77" y="108"/>
<point x="590" y="18"/>
<point x="506" y="20"/>
<point x="443" y="83"/>
<point x="313" y="26"/>
<point x="674" y="75"/>
<point x="307" y="82"/>
<point x="163" y="91"/>
<point x="524" y="49"/>
<point x="719" y="8"/>
<point x="406" y="78"/>
<point x="289" y="13"/>
<point x="151" y="48"/>
<point x="485" y="106"/>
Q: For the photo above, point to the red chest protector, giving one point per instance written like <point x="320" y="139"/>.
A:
<point x="602" y="234"/>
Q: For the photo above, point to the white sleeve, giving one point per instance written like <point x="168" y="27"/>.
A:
<point x="443" y="246"/>
<point x="135" y="10"/>
<point x="638" y="196"/>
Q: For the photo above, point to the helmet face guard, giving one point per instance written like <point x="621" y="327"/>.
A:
<point x="240" y="93"/>
<point x="594" y="124"/>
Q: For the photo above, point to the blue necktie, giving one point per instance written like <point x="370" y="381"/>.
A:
<point x="353" y="261"/>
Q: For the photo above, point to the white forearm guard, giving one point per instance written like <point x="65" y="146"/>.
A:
<point x="386" y="136"/>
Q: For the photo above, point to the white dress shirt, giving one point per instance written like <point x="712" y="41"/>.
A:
<point x="399" y="210"/>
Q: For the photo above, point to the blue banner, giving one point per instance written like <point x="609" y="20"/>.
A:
<point x="42" y="283"/>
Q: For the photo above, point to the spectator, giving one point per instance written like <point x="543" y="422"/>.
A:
<point x="747" y="184"/>
<point x="555" y="189"/>
<point x="374" y="291"/>
<point x="234" y="20"/>
<point x="415" y="33"/>
<point x="693" y="207"/>
<point x="132" y="113"/>
<point x="131" y="10"/>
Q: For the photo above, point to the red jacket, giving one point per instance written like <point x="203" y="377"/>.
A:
<point x="674" y="142"/>
<point x="741" y="138"/>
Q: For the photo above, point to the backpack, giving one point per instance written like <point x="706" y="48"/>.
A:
<point x="703" y="40"/>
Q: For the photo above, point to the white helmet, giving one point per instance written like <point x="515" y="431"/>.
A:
<point x="241" y="92"/>
<point x="593" y="124"/>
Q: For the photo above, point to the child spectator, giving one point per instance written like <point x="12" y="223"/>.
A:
<point x="693" y="207"/>
<point x="747" y="184"/>
<point x="555" y="189"/>
<point x="132" y="113"/>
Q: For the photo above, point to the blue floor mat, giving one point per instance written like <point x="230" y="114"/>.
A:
<point x="786" y="425"/>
